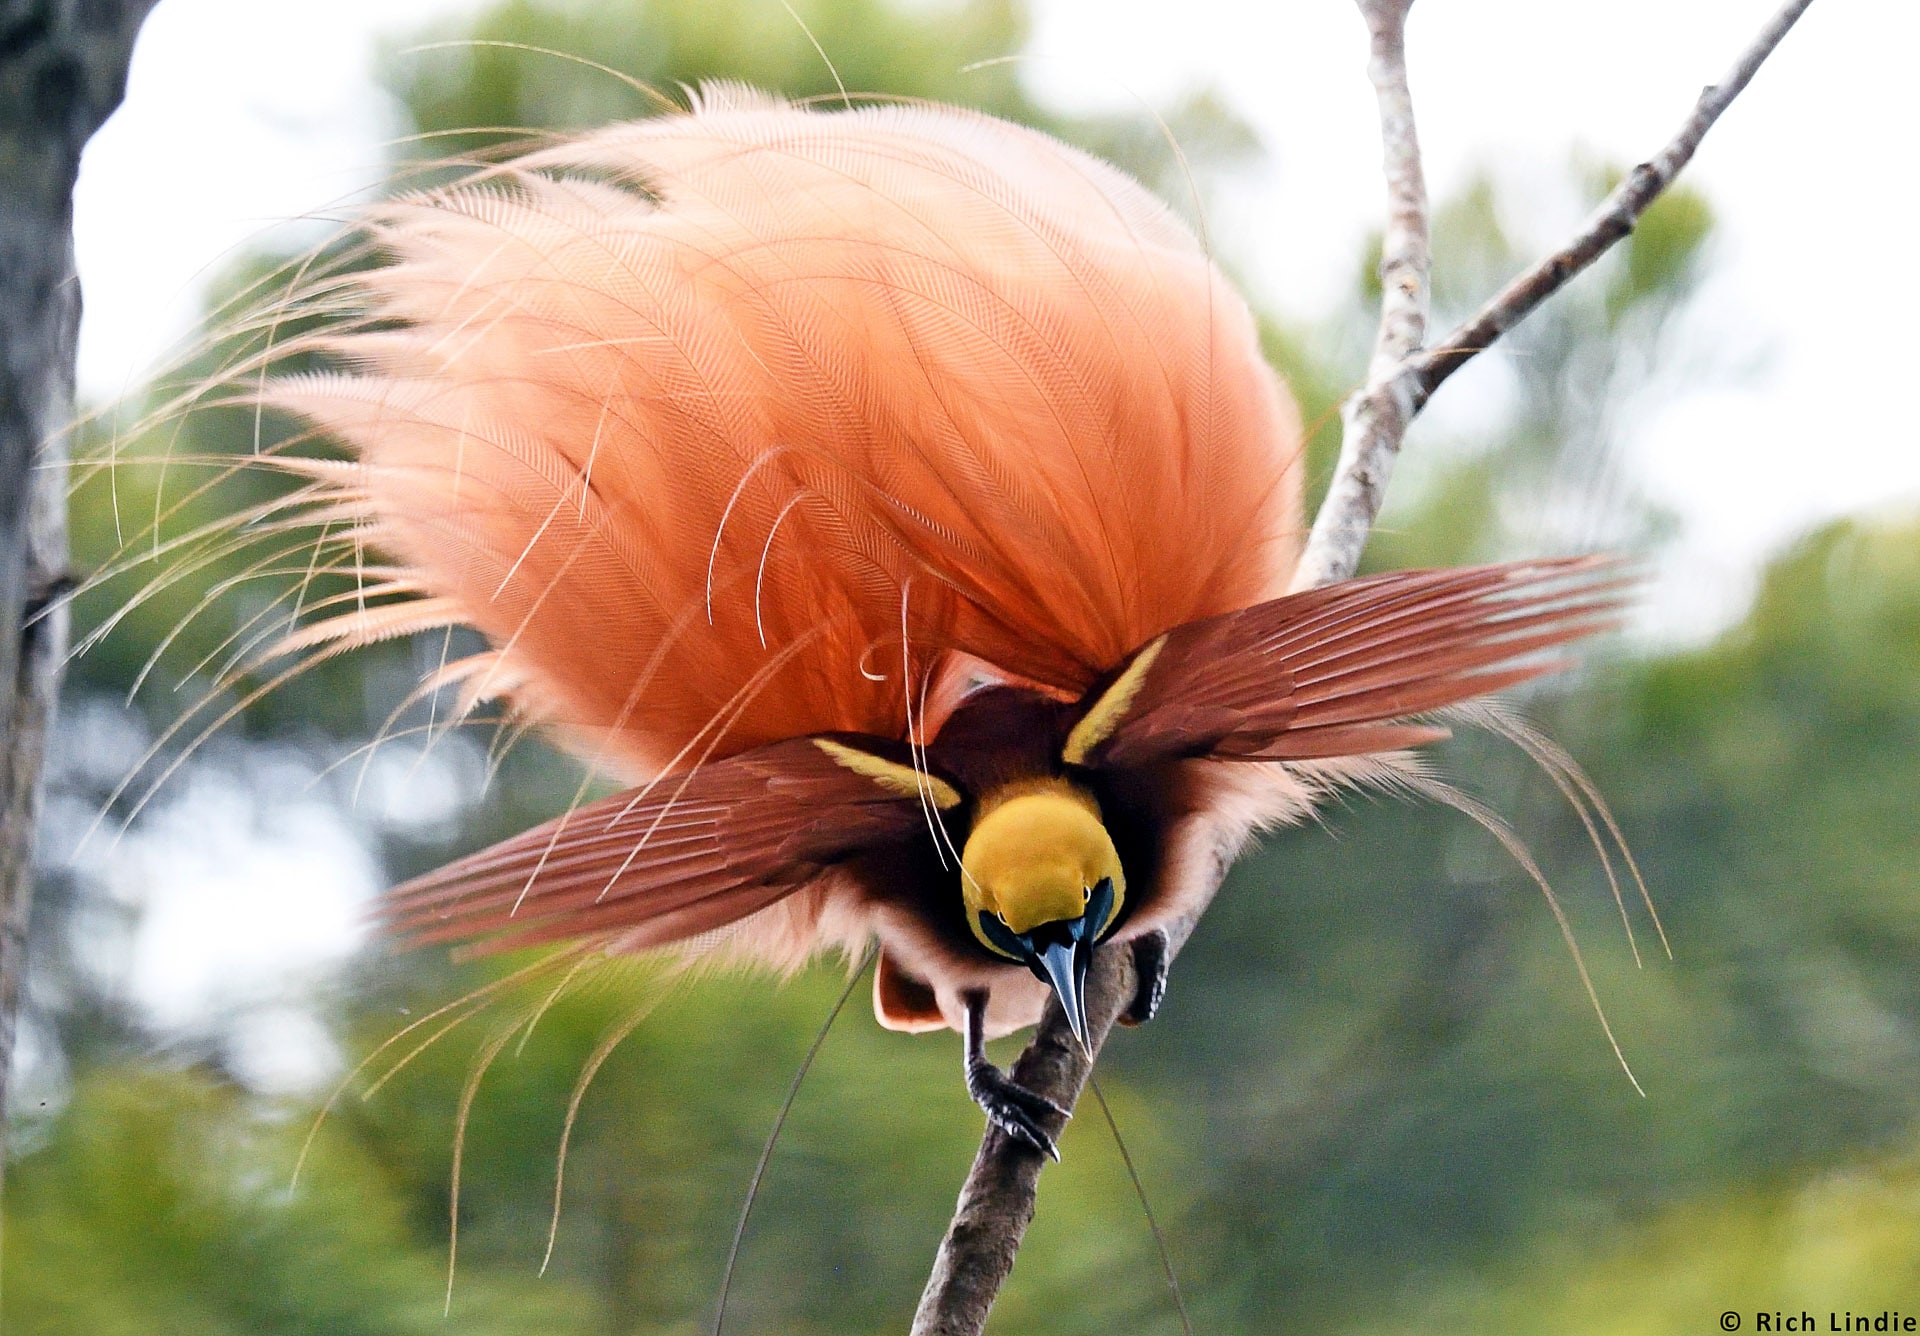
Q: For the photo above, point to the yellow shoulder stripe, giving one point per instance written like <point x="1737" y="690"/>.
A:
<point x="902" y="780"/>
<point x="1100" y="722"/>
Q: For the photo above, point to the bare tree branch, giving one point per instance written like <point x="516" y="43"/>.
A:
<point x="1376" y="418"/>
<point x="997" y="1201"/>
<point x="1609" y="223"/>
<point x="63" y="69"/>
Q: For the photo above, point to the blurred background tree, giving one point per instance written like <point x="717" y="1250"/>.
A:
<point x="1376" y="1100"/>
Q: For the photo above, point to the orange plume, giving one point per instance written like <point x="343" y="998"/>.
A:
<point x="758" y="422"/>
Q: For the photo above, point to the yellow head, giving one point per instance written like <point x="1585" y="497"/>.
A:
<point x="1041" y="881"/>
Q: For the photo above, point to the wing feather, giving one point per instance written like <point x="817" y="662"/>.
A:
<point x="1338" y="671"/>
<point x="687" y="854"/>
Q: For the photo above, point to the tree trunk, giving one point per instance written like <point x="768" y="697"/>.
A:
<point x="63" y="69"/>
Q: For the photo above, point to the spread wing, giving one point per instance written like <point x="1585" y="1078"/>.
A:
<point x="1336" y="671"/>
<point x="687" y="854"/>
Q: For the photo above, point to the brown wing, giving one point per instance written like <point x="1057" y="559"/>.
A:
<point x="1331" y="671"/>
<point x="688" y="854"/>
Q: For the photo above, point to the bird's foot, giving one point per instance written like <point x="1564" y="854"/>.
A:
<point x="1150" y="978"/>
<point x="1014" y="1109"/>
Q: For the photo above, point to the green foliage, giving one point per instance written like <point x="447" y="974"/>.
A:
<point x="1838" y="1244"/>
<point x="181" y="1184"/>
<point x="1414" y="1087"/>
<point x="488" y="76"/>
<point x="161" y="1205"/>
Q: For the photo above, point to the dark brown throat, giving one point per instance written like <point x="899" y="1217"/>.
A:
<point x="1002" y="735"/>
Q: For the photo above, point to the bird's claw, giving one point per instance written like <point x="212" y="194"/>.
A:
<point x="1014" y="1109"/>
<point x="1150" y="971"/>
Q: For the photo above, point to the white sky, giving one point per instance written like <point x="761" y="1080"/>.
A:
<point x="242" y="114"/>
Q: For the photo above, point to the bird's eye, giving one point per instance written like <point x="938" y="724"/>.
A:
<point x="1001" y="938"/>
<point x="1086" y="894"/>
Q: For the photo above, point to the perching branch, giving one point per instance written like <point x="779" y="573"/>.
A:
<point x="997" y="1201"/>
<point x="63" y="69"/>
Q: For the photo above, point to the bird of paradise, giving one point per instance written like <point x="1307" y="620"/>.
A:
<point x="898" y="501"/>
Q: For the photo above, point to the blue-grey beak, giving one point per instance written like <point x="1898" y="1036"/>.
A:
<point x="1062" y="962"/>
<point x="1065" y="964"/>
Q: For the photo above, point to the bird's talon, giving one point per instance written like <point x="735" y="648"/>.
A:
<point x="1150" y="970"/>
<point x="1020" y="1128"/>
<point x="1013" y="1108"/>
<point x="1009" y="1106"/>
<point x="1034" y="1103"/>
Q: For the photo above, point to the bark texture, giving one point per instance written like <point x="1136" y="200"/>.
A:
<point x="63" y="69"/>
<point x="1374" y="421"/>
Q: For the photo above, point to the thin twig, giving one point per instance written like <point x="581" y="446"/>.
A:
<point x="996" y="1203"/>
<point x="1376" y="418"/>
<point x="1609" y="223"/>
<point x="1406" y="254"/>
